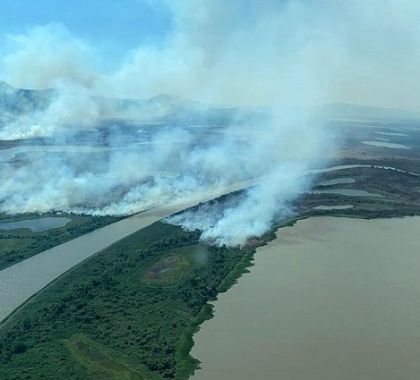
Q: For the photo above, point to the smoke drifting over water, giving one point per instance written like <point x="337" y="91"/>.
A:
<point x="79" y="156"/>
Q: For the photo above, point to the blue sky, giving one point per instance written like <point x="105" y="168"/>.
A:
<point x="111" y="25"/>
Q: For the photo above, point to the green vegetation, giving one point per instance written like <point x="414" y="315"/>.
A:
<point x="127" y="313"/>
<point x="17" y="245"/>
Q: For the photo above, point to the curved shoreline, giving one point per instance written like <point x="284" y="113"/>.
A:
<point x="211" y="332"/>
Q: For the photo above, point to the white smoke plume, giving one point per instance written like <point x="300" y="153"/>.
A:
<point x="290" y="56"/>
<point x="285" y="153"/>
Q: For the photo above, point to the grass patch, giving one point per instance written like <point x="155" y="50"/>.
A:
<point x="99" y="362"/>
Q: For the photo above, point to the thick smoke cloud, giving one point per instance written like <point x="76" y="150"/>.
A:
<point x="283" y="154"/>
<point x="290" y="56"/>
<point x="363" y="52"/>
<point x="46" y="55"/>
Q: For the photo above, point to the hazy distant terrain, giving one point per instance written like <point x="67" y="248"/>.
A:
<point x="16" y="103"/>
<point x="131" y="310"/>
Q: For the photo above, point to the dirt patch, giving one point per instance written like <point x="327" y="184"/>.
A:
<point x="93" y="357"/>
<point x="166" y="270"/>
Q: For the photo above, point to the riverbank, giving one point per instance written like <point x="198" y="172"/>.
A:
<point x="23" y="280"/>
<point x="127" y="313"/>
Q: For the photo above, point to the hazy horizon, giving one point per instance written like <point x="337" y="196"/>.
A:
<point x="243" y="53"/>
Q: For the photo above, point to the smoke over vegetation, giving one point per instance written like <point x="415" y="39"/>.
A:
<point x="89" y="145"/>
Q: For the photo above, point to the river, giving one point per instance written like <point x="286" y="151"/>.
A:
<point x="21" y="281"/>
<point x="330" y="298"/>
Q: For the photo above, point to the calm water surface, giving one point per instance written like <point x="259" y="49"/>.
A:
<point x="338" y="181"/>
<point x="329" y="299"/>
<point x="347" y="192"/>
<point x="338" y="207"/>
<point x="393" y="134"/>
<point x="383" y="144"/>
<point x="36" y="225"/>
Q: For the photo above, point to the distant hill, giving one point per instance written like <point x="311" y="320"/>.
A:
<point x="17" y="101"/>
<point x="162" y="108"/>
<point x="166" y="108"/>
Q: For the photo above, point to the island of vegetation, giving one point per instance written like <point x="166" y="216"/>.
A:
<point x="128" y="312"/>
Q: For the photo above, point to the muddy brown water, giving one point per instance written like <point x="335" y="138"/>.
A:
<point x="329" y="299"/>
